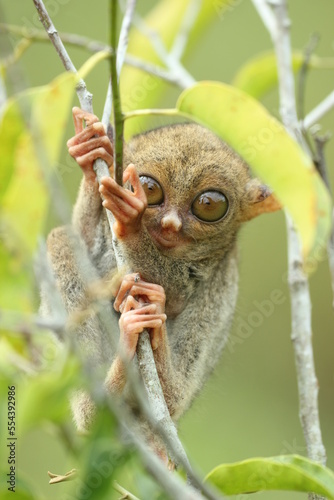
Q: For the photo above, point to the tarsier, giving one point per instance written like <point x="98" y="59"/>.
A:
<point x="185" y="197"/>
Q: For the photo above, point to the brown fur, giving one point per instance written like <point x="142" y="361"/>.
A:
<point x="200" y="279"/>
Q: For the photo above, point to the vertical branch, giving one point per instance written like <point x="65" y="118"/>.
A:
<point x="118" y="116"/>
<point x="299" y="289"/>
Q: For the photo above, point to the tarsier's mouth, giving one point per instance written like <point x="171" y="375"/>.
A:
<point x="164" y="242"/>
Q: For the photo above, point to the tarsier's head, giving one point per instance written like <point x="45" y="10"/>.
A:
<point x="199" y="190"/>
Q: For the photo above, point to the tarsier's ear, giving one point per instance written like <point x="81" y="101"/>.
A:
<point x="259" y="200"/>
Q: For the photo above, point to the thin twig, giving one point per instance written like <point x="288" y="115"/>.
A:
<point x="181" y="39"/>
<point x="94" y="46"/>
<point x="323" y="170"/>
<point x="267" y="17"/>
<point x="126" y="494"/>
<point x="124" y="34"/>
<point x="53" y="35"/>
<point x="319" y="111"/>
<point x="299" y="289"/>
<point x="107" y="110"/>
<point x="310" y="48"/>
<point x="19" y="49"/>
<point x="174" y="66"/>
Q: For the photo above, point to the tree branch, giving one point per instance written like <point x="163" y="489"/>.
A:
<point x="94" y="46"/>
<point x="116" y="96"/>
<point x="268" y="19"/>
<point x="175" y="67"/>
<point x="126" y="495"/>
<point x="181" y="39"/>
<point x="299" y="290"/>
<point x="319" y="111"/>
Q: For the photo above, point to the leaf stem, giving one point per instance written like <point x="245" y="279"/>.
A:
<point x="146" y="112"/>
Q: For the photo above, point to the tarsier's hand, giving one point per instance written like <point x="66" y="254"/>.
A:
<point x="127" y="206"/>
<point x="142" y="306"/>
<point x="89" y="143"/>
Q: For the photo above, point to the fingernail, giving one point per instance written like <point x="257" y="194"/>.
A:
<point x="155" y="345"/>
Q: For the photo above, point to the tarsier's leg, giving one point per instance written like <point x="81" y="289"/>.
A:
<point x="95" y="344"/>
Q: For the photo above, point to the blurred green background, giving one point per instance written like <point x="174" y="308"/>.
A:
<point x="250" y="406"/>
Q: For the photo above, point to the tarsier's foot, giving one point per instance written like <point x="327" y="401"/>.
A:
<point x="142" y="306"/>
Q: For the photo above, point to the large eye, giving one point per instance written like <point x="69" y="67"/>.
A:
<point x="210" y="206"/>
<point x="153" y="190"/>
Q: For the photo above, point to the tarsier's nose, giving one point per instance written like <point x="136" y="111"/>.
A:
<point x="171" y="222"/>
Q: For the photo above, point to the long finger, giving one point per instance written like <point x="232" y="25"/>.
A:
<point x="151" y="294"/>
<point x="121" y="210"/>
<point x="125" y="285"/>
<point x="110" y="186"/>
<point x="89" y="158"/>
<point x="128" y="304"/>
<point x="131" y="174"/>
<point x="96" y="129"/>
<point x="87" y="146"/>
<point x="138" y="327"/>
<point x="79" y="116"/>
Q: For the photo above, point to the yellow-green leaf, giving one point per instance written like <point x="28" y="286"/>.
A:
<point x="50" y="114"/>
<point x="140" y="89"/>
<point x="16" y="291"/>
<point x="13" y="122"/>
<point x="24" y="206"/>
<point x="33" y="126"/>
<point x="272" y="154"/>
<point x="45" y="396"/>
<point x="259" y="75"/>
<point x="286" y="472"/>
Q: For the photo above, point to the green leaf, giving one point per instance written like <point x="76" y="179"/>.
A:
<point x="259" y="75"/>
<point x="11" y="126"/>
<point x="38" y="118"/>
<point x="270" y="151"/>
<point x="24" y="487"/>
<point x="15" y="275"/>
<point x="24" y="206"/>
<point x="140" y="89"/>
<point x="45" y="397"/>
<point x="286" y="472"/>
<point x="50" y="114"/>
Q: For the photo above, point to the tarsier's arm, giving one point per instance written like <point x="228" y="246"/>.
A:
<point x="89" y="144"/>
